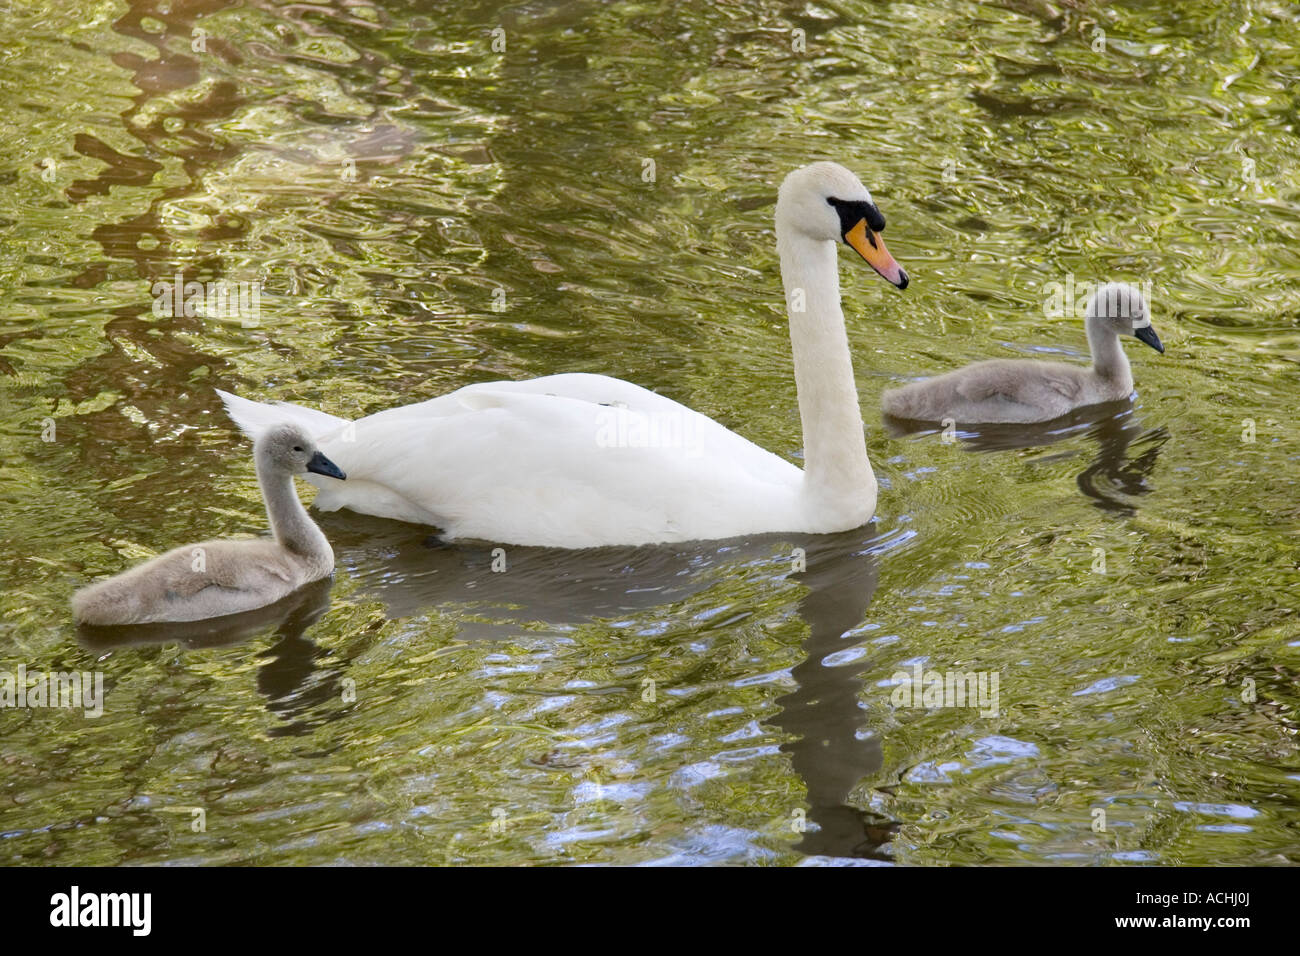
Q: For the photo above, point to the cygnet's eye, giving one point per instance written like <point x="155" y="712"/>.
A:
<point x="297" y="448"/>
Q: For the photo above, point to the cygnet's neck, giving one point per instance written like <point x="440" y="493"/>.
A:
<point x="836" y="468"/>
<point x="290" y="523"/>
<point x="1108" y="358"/>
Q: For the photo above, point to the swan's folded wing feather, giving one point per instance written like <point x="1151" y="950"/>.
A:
<point x="601" y="390"/>
<point x="577" y="386"/>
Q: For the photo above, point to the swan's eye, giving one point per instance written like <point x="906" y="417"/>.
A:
<point x="297" y="448"/>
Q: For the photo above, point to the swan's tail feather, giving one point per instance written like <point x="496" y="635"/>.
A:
<point x="253" y="418"/>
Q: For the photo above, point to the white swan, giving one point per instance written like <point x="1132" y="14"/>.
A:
<point x="216" y="578"/>
<point x="582" y="460"/>
<point x="1028" y="390"/>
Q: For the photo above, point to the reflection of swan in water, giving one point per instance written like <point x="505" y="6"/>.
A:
<point x="409" y="572"/>
<point x="823" y="713"/>
<point x="292" y="681"/>
<point x="400" y="566"/>
<point x="494" y="589"/>
<point x="1112" y="479"/>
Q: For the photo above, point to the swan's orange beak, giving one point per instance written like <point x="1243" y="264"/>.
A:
<point x="870" y="246"/>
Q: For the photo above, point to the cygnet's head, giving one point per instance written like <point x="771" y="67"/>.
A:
<point x="825" y="201"/>
<point x="1121" y="308"/>
<point x="288" y="448"/>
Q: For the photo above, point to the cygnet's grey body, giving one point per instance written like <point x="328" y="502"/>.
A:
<point x="1027" y="390"/>
<point x="215" y="578"/>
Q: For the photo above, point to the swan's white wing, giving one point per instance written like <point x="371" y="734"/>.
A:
<point x="565" y="460"/>
<point x="253" y="418"/>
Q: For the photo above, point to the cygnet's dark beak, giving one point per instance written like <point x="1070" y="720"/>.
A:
<point x="321" y="465"/>
<point x="1147" y="334"/>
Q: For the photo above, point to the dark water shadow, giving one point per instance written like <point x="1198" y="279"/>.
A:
<point x="823" y="713"/>
<point x="292" y="679"/>
<point x="410" y="572"/>
<point x="1112" y="479"/>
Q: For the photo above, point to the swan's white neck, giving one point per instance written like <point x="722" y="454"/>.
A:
<point x="838" y="481"/>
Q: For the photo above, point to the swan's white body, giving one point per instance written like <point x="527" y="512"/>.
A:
<point x="552" y="461"/>
<point x="582" y="460"/>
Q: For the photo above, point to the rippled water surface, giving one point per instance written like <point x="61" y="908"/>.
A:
<point x="424" y="211"/>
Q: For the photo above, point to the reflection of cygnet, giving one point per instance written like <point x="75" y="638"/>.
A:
<point x="215" y="578"/>
<point x="1028" y="390"/>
